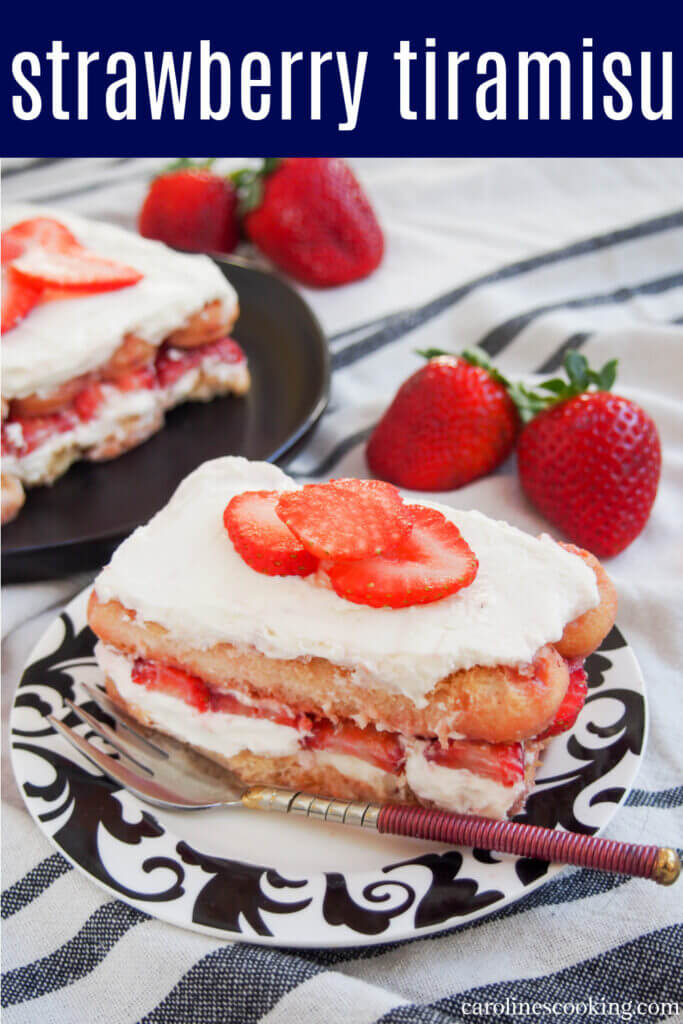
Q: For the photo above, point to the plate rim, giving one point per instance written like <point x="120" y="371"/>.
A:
<point x="362" y="940"/>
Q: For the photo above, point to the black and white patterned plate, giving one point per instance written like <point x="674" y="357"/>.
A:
<point x="236" y="874"/>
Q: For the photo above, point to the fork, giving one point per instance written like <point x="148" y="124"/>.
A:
<point x="163" y="772"/>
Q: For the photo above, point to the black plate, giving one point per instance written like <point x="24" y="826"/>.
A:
<point x="76" y="523"/>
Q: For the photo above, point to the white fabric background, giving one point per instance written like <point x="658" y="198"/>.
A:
<point x="446" y="223"/>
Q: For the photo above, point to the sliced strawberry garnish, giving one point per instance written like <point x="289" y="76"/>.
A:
<point x="432" y="562"/>
<point x="173" y="363"/>
<point x="383" y="749"/>
<point x="346" y="518"/>
<point x="502" y="762"/>
<point x="171" y="681"/>
<point x="573" y="701"/>
<point x="88" y="401"/>
<point x="262" y="539"/>
<point x="274" y="711"/>
<point x="18" y="298"/>
<point x="39" y="232"/>
<point x="73" y="269"/>
<point x="34" y="431"/>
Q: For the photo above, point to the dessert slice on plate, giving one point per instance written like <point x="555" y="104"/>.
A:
<point x="103" y="331"/>
<point x="336" y="638"/>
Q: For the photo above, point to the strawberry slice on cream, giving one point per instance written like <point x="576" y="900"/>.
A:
<point x="18" y="298"/>
<point x="72" y="269"/>
<point x="76" y="348"/>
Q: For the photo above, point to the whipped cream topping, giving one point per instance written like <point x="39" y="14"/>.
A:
<point x="211" y="730"/>
<point x="63" y="339"/>
<point x="181" y="571"/>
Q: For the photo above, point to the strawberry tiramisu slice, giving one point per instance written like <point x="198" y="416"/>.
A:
<point x="102" y="332"/>
<point x="336" y="638"/>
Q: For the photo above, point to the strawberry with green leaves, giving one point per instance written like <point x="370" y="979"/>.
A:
<point x="311" y="217"/>
<point x="588" y="459"/>
<point x="308" y="215"/>
<point x="450" y="423"/>
<point x="192" y="208"/>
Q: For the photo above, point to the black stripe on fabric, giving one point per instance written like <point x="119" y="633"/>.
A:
<point x="338" y="452"/>
<point x="76" y="958"/>
<point x="566" y="888"/>
<point x="554" y="362"/>
<point x="381" y="321"/>
<point x="94" y="186"/>
<point x="647" y="970"/>
<point x="500" y="337"/>
<point x="36" y="881"/>
<point x="235" y="984"/>
<point x="655" y="798"/>
<point x="413" y="318"/>
<point x="44" y="161"/>
<point x="576" y="341"/>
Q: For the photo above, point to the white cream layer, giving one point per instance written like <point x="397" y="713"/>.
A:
<point x="61" y="340"/>
<point x="181" y="571"/>
<point x="111" y="418"/>
<point x="114" y="411"/>
<point x="211" y="730"/>
<point x="458" y="789"/>
<point x="356" y="768"/>
<point x="453" y="789"/>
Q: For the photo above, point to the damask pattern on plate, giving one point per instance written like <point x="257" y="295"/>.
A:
<point x="121" y="844"/>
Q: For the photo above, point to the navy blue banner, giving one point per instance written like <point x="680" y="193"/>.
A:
<point x="358" y="79"/>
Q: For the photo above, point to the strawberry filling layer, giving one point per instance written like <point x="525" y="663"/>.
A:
<point x="194" y="691"/>
<point x="22" y="435"/>
<point x="502" y="763"/>
<point x="573" y="701"/>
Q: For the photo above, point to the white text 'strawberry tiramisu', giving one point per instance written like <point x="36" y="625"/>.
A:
<point x="102" y="332"/>
<point x="336" y="638"/>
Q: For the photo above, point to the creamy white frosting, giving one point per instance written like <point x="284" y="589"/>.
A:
<point x="61" y="340"/>
<point x="212" y="730"/>
<point x="181" y="571"/>
<point x="458" y="789"/>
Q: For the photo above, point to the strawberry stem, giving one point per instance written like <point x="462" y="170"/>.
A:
<point x="581" y="378"/>
<point x="185" y="162"/>
<point x="530" y="401"/>
<point x="249" y="183"/>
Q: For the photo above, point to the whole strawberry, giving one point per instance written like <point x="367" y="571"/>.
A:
<point x="191" y="208"/>
<point x="451" y="422"/>
<point x="312" y="219"/>
<point x="591" y="461"/>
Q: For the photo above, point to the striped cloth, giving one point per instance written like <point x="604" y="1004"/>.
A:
<point x="525" y="258"/>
